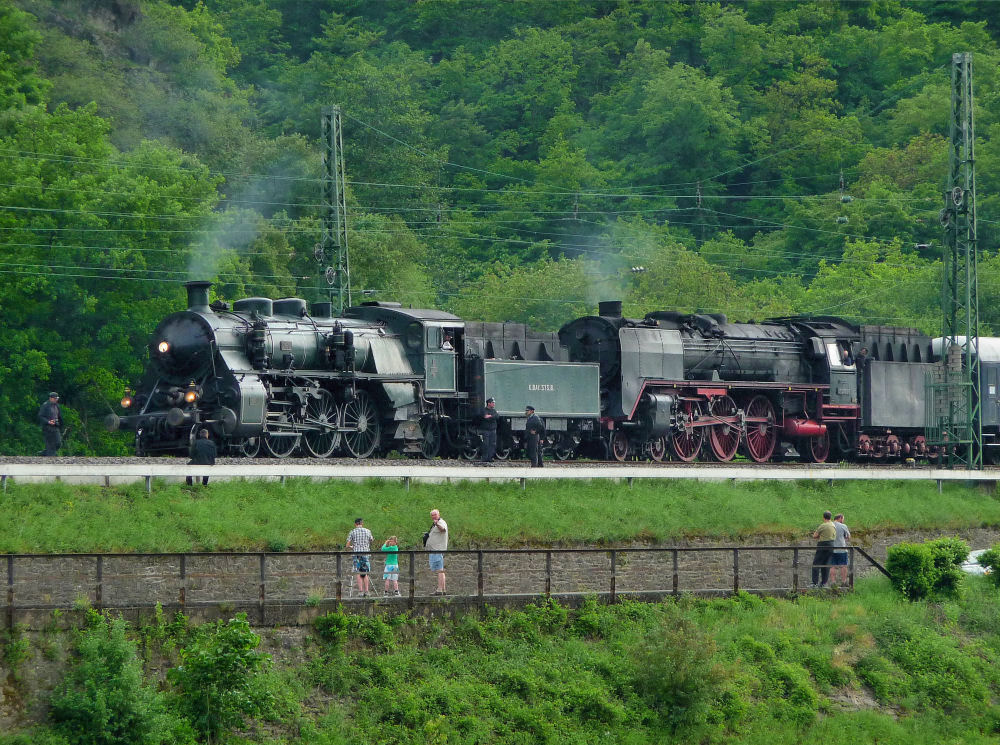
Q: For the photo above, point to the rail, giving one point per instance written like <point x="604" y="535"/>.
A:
<point x="265" y="584"/>
<point x="408" y="472"/>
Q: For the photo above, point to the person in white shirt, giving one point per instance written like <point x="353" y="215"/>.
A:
<point x="437" y="540"/>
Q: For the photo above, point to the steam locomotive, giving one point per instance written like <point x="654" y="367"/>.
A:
<point x="268" y="375"/>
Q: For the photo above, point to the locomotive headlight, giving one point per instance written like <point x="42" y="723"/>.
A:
<point x="191" y="396"/>
<point x="126" y="401"/>
<point x="164" y="347"/>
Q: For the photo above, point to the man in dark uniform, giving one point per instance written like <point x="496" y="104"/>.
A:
<point x="202" y="454"/>
<point x="534" y="428"/>
<point x="50" y="418"/>
<point x="488" y="426"/>
<point x="860" y="362"/>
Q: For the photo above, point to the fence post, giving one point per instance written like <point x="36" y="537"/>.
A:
<point x="413" y="577"/>
<point x="736" y="570"/>
<point x="479" y="572"/>
<point x="183" y="591"/>
<point x="676" y="574"/>
<point x="850" y="567"/>
<point x="4" y="480"/>
<point x="795" y="570"/>
<point x="340" y="581"/>
<point x="99" y="590"/>
<point x="548" y="574"/>
<point x="10" y="591"/>
<point x="263" y="586"/>
<point x="149" y="485"/>
<point x="614" y="589"/>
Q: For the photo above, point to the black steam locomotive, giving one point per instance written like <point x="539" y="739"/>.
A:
<point x="270" y="375"/>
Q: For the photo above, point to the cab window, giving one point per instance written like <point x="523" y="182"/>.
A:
<point x="839" y="356"/>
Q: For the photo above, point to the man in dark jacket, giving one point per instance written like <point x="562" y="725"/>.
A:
<point x="50" y="418"/>
<point x="202" y="454"/>
<point x="534" y="429"/>
<point x="488" y="427"/>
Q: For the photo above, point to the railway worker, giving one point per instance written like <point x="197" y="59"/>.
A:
<point x="840" y="552"/>
<point x="50" y="418"/>
<point x="360" y="541"/>
<point x="437" y="540"/>
<point x="488" y="427"/>
<point x="534" y="428"/>
<point x="203" y="452"/>
<point x="446" y="345"/>
<point x="859" y="363"/>
<point x="825" y="534"/>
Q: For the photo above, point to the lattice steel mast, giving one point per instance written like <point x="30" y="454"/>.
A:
<point x="337" y="276"/>
<point x="961" y="423"/>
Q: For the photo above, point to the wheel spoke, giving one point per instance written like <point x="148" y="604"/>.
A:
<point x="430" y="444"/>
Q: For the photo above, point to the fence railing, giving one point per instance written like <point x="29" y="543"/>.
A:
<point x="256" y="581"/>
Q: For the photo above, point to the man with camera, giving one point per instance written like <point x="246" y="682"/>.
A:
<point x="437" y="540"/>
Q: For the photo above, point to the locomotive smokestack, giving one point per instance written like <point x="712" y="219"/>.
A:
<point x="610" y="308"/>
<point x="198" y="296"/>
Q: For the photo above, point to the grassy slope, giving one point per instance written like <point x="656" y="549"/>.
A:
<point x="307" y="515"/>
<point x="861" y="668"/>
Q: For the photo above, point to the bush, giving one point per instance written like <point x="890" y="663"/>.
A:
<point x="675" y="673"/>
<point x="217" y="677"/>
<point x="102" y="699"/>
<point x="991" y="560"/>
<point x="921" y="570"/>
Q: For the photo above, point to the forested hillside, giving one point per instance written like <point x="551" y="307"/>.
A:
<point x="506" y="160"/>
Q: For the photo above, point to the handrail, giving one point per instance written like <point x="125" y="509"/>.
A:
<point x="259" y="580"/>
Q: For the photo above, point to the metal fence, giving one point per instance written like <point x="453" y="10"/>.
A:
<point x="255" y="581"/>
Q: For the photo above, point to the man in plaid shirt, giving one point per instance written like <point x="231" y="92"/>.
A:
<point x="360" y="540"/>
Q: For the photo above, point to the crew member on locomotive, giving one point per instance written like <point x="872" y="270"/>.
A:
<point x="535" y="430"/>
<point x="488" y="426"/>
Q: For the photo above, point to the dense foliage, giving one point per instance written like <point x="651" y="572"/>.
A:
<point x="864" y="667"/>
<point x="506" y="160"/>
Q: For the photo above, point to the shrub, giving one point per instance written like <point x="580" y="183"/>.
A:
<point x="921" y="570"/>
<point x="333" y="628"/>
<point x="102" y="699"/>
<point x="991" y="560"/>
<point x="217" y="677"/>
<point x="675" y="673"/>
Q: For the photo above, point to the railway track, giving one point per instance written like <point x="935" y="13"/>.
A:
<point x="409" y="463"/>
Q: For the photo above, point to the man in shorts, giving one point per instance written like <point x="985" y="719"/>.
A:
<point x="825" y="533"/>
<point x="437" y="540"/>
<point x="360" y="540"/>
<point x="839" y="561"/>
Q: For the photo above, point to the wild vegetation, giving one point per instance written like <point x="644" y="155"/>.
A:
<point x="304" y="515"/>
<point x="509" y="160"/>
<point x="861" y="667"/>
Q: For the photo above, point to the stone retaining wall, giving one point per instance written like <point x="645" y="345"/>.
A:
<point x="275" y="587"/>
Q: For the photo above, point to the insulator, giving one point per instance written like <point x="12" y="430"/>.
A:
<point x="330" y="274"/>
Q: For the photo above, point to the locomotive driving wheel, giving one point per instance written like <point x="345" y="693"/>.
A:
<point x="322" y="413"/>
<point x="762" y="435"/>
<point x="686" y="442"/>
<point x="724" y="436"/>
<point x="562" y="445"/>
<point x="281" y="444"/>
<point x="361" y="419"/>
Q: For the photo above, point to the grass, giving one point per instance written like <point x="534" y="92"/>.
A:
<point x="302" y="514"/>
<point x="865" y="667"/>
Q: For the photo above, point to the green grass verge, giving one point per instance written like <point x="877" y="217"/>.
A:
<point x="302" y="514"/>
<point x="859" y="668"/>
